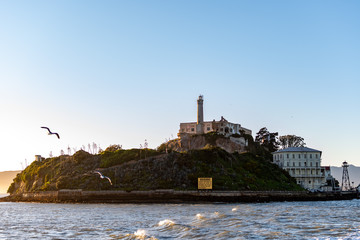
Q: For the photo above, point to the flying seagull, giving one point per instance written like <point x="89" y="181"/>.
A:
<point x="102" y="176"/>
<point x="51" y="132"/>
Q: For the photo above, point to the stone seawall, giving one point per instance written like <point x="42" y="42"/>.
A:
<point x="171" y="196"/>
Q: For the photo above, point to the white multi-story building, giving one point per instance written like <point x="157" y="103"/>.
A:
<point x="304" y="164"/>
<point x="223" y="126"/>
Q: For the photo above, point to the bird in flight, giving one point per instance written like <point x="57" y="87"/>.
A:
<point x="102" y="176"/>
<point x="51" y="132"/>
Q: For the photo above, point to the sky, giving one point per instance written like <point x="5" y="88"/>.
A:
<point x="120" y="72"/>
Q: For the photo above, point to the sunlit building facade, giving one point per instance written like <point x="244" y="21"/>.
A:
<point x="222" y="126"/>
<point x="304" y="164"/>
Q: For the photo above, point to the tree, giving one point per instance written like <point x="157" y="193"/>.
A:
<point x="267" y="139"/>
<point x="113" y="148"/>
<point x="69" y="150"/>
<point x="291" y="141"/>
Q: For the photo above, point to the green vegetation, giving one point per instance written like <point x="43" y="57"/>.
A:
<point x="120" y="156"/>
<point x="237" y="171"/>
<point x="146" y="169"/>
<point x="57" y="173"/>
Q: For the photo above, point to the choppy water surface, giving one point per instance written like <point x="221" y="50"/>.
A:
<point x="283" y="220"/>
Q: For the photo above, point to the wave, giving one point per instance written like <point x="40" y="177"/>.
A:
<point x="139" y="235"/>
<point x="200" y="216"/>
<point x="166" y="223"/>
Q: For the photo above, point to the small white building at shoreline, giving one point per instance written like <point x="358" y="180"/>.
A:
<point x="304" y="164"/>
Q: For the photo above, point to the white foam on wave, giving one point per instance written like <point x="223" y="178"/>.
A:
<point x="234" y="209"/>
<point x="166" y="222"/>
<point x="140" y="234"/>
<point x="219" y="215"/>
<point x="200" y="216"/>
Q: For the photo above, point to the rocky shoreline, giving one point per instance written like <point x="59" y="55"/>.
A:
<point x="172" y="196"/>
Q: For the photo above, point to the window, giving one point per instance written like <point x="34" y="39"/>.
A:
<point x="192" y="129"/>
<point x="293" y="164"/>
<point x="299" y="156"/>
<point x="221" y="129"/>
<point x="293" y="155"/>
<point x="317" y="164"/>
<point x="310" y="164"/>
<point x="287" y="155"/>
<point x="299" y="164"/>
<point x="310" y="155"/>
<point x="309" y="182"/>
<point x="208" y="128"/>
<point x="305" y="155"/>
<point x="316" y="156"/>
<point x="287" y="163"/>
<point x="305" y="164"/>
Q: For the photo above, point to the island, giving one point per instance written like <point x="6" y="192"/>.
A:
<point x="239" y="169"/>
<point x="163" y="175"/>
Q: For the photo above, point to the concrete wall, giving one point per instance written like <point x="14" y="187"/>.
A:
<point x="171" y="196"/>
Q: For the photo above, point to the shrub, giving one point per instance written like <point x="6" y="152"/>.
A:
<point x="113" y="148"/>
<point x="11" y="188"/>
<point x="121" y="156"/>
<point x="80" y="156"/>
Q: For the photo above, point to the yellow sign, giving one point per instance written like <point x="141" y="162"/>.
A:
<point x="204" y="183"/>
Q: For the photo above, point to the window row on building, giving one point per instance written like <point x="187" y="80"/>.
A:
<point x="296" y="156"/>
<point x="294" y="172"/>
<point x="302" y="164"/>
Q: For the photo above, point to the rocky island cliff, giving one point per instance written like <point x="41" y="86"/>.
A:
<point x="244" y="168"/>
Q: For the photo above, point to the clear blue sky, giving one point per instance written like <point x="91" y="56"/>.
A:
<point x="120" y="72"/>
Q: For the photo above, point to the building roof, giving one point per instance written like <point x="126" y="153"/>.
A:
<point x="297" y="149"/>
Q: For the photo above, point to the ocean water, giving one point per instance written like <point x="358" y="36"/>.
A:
<point x="276" y="220"/>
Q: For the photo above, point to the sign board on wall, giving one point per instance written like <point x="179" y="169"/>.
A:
<point x="204" y="183"/>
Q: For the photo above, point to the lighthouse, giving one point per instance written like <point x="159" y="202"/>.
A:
<point x="200" y="115"/>
<point x="200" y="126"/>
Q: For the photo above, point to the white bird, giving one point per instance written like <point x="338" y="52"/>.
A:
<point x="51" y="132"/>
<point x="102" y="176"/>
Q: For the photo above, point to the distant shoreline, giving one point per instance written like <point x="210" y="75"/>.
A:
<point x="172" y="196"/>
<point x="6" y="178"/>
